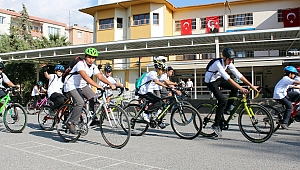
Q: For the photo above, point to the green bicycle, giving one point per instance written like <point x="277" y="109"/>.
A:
<point x="254" y="120"/>
<point x="14" y="115"/>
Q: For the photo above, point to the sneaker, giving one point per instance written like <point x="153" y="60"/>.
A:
<point x="72" y="128"/>
<point x="162" y="125"/>
<point x="146" y="117"/>
<point x="217" y="130"/>
<point x="284" y="126"/>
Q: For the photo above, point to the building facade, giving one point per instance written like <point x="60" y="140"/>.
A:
<point x="133" y="20"/>
<point x="43" y="27"/>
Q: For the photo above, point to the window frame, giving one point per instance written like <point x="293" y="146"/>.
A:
<point x="203" y="22"/>
<point x="155" y="20"/>
<point x="79" y="34"/>
<point x="141" y="19"/>
<point x="240" y="19"/>
<point x="119" y="25"/>
<point x="2" y="19"/>
<point x="106" y="24"/>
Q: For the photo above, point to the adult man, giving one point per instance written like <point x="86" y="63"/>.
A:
<point x="77" y="85"/>
<point x="216" y="76"/>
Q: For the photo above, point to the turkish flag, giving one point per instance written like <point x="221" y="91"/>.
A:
<point x="212" y="24"/>
<point x="290" y="17"/>
<point x="186" y="27"/>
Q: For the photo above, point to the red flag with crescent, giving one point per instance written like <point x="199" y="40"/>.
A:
<point x="212" y="24"/>
<point x="290" y="17"/>
<point x="186" y="27"/>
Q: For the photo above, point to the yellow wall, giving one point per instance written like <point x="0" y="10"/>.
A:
<point x="144" y="61"/>
<point x="168" y="21"/>
<point x="105" y="35"/>
<point x="106" y="14"/>
<point x="140" y="9"/>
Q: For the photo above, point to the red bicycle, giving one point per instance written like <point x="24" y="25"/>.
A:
<point x="278" y="112"/>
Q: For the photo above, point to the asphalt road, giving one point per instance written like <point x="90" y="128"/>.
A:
<point x="157" y="149"/>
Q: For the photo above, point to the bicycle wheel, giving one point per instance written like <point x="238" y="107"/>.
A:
<point x="257" y="128"/>
<point x="60" y="120"/>
<point x="277" y="116"/>
<point x="186" y="122"/>
<point x="83" y="128"/>
<point x="29" y="106"/>
<point x="208" y="119"/>
<point x="45" y="119"/>
<point x="15" y="118"/>
<point x="115" y="126"/>
<point x="138" y="126"/>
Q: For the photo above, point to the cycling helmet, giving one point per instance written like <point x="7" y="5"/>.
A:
<point x="40" y="83"/>
<point x="108" y="69"/>
<point x="1" y="65"/>
<point x="59" y="67"/>
<point x="298" y="69"/>
<point x="91" y="52"/>
<point x="159" y="65"/>
<point x="290" y="69"/>
<point x="228" y="53"/>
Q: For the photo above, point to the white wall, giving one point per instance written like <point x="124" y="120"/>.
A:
<point x="120" y="32"/>
<point x="157" y="30"/>
<point x="46" y="33"/>
<point x="4" y="28"/>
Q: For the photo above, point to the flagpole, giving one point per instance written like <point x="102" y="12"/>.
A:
<point x="224" y="19"/>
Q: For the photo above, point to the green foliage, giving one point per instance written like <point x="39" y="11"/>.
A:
<point x="20" y="39"/>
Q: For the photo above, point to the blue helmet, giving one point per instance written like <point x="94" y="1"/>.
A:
<point x="40" y="83"/>
<point x="59" y="67"/>
<point x="290" y="69"/>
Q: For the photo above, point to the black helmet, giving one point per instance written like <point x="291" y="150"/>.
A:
<point x="108" y="69"/>
<point x="228" y="53"/>
<point x="1" y="65"/>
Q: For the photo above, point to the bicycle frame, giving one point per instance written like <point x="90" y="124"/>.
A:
<point x="5" y="101"/>
<point x="41" y="103"/>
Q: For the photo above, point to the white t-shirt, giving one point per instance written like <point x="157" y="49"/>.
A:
<point x="35" y="90"/>
<point x="280" y="90"/>
<point x="110" y="79"/>
<point x="189" y="84"/>
<point x="297" y="78"/>
<point x="55" y="85"/>
<point x="162" y="79"/>
<point x="3" y="78"/>
<point x="76" y="81"/>
<point x="220" y="68"/>
<point x="149" y="87"/>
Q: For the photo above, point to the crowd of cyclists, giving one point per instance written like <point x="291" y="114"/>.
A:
<point x="155" y="86"/>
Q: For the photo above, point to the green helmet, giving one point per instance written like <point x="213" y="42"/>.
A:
<point x="91" y="52"/>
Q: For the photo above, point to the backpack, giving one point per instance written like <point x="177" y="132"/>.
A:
<point x="70" y="67"/>
<point x="138" y="83"/>
<point x="211" y="62"/>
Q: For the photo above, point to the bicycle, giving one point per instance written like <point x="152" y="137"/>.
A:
<point x="14" y="115"/>
<point x="254" y="120"/>
<point x="119" y="98"/>
<point x="39" y="105"/>
<point x="185" y="119"/>
<point x="278" y="113"/>
<point x="113" y="122"/>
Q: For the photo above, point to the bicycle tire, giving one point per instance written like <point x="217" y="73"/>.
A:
<point x="15" y="118"/>
<point x="45" y="119"/>
<point x="115" y="127"/>
<point x="60" y="120"/>
<point x="28" y="108"/>
<point x="208" y="119"/>
<point x="83" y="128"/>
<point x="186" y="122"/>
<point x="138" y="126"/>
<point x="277" y="116"/>
<point x="259" y="128"/>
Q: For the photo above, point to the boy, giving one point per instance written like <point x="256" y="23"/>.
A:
<point x="282" y="95"/>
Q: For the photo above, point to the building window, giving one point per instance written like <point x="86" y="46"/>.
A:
<point x="53" y="30"/>
<point x="203" y="22"/>
<point x="177" y="26"/>
<point x="155" y="18"/>
<point x="79" y="34"/>
<point x="129" y="22"/>
<point x="194" y="24"/>
<point x="141" y="19"/>
<point x="208" y="55"/>
<point x="105" y="24"/>
<point x="279" y="15"/>
<point x="189" y="57"/>
<point x="2" y="20"/>
<point x="240" y="19"/>
<point x="119" y="22"/>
